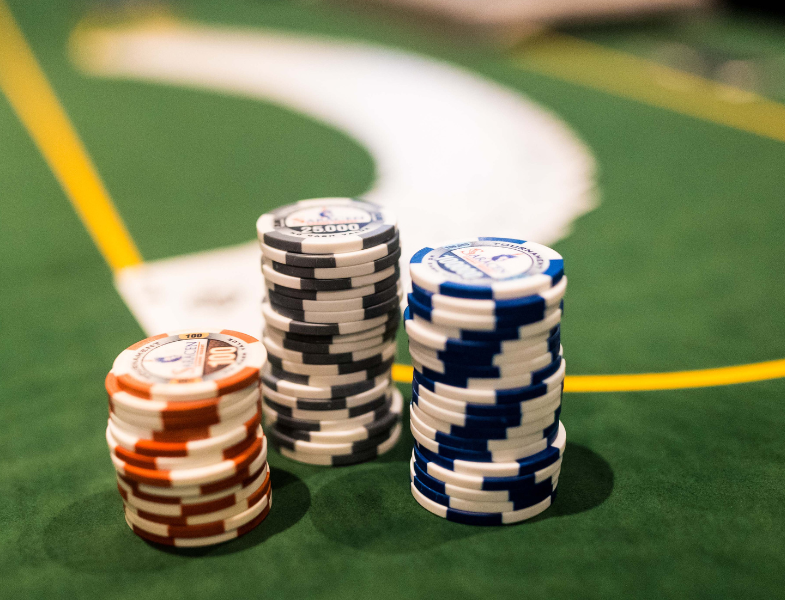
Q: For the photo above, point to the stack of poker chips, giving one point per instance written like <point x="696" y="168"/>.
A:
<point x="185" y="436"/>
<point x="332" y="310"/>
<point x="484" y="336"/>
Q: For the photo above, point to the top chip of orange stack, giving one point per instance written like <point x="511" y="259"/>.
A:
<point x="190" y="364"/>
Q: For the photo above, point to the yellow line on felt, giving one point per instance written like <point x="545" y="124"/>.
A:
<point x="675" y="380"/>
<point x="37" y="107"/>
<point x="594" y="66"/>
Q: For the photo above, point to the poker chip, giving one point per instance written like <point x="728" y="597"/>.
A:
<point x="482" y="450"/>
<point x="325" y="285"/>
<point x="198" y="514"/>
<point x="293" y="388"/>
<point x="474" y="518"/>
<point x="326" y="225"/>
<point x="333" y="295"/>
<point x="331" y="313"/>
<point x="547" y="300"/>
<point x="190" y="475"/>
<point x="340" y="460"/>
<point x="343" y="423"/>
<point x="185" y="507"/>
<point x="161" y="432"/>
<point x="484" y="507"/>
<point x="487" y="335"/>
<point x="503" y="369"/>
<point x="290" y="325"/>
<point x="380" y="390"/>
<point x="234" y="482"/>
<point x="333" y="305"/>
<point x="450" y="339"/>
<point x="176" y="462"/>
<point x="460" y="492"/>
<point x="494" y="380"/>
<point x="327" y="261"/>
<point x="510" y="468"/>
<point x="196" y="542"/>
<point x="194" y="447"/>
<point x="361" y="314"/>
<point x="341" y="348"/>
<point x="494" y="396"/>
<point x="185" y="437"/>
<point x="489" y="359"/>
<point x="186" y="420"/>
<point x="327" y="414"/>
<point x="424" y="395"/>
<point x="274" y="348"/>
<point x="350" y="338"/>
<point x="487" y="268"/>
<point x="483" y="483"/>
<point x="333" y="380"/>
<point x="357" y="270"/>
<point x="281" y="440"/>
<point x="202" y="530"/>
<point x="496" y="431"/>
<point x="484" y="326"/>
<point x="380" y="356"/>
<point x="189" y="365"/>
<point x="474" y="322"/>
<point x="182" y="408"/>
<point x="364" y="432"/>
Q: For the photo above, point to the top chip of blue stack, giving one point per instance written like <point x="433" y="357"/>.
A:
<point x="487" y="268"/>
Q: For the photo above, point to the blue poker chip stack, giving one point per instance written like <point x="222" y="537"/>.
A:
<point x="331" y="311"/>
<point x="484" y="335"/>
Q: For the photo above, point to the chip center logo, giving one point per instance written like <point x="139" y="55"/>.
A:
<point x="183" y="359"/>
<point x="167" y="359"/>
<point x="344" y="218"/>
<point x="498" y="263"/>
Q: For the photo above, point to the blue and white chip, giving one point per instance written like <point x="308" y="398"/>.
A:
<point x="500" y="308"/>
<point x="545" y="398"/>
<point x="488" y="382"/>
<point x="519" y="502"/>
<point x="494" y="470"/>
<point x="505" y="485"/>
<point x="497" y="396"/>
<point x="487" y="268"/>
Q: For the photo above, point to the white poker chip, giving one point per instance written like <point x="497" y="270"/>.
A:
<point x="326" y="225"/>
<point x="360" y="399"/>
<point x="487" y="268"/>
<point x="339" y="460"/>
<point x="333" y="305"/>
<point x="316" y="316"/>
<point x="190" y="364"/>
<point x="387" y="352"/>
<point x="290" y="325"/>
<point x="334" y="380"/>
<point x="326" y="285"/>
<point x="498" y="371"/>
<point x="381" y="335"/>
<point x="327" y="261"/>
<point x="358" y="292"/>
<point x="337" y="272"/>
<point x="300" y="390"/>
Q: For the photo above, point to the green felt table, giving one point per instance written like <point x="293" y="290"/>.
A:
<point x="670" y="493"/>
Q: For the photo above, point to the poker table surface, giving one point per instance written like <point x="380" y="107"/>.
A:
<point x="673" y="483"/>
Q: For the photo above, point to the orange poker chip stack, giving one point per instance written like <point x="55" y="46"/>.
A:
<point x="185" y="437"/>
